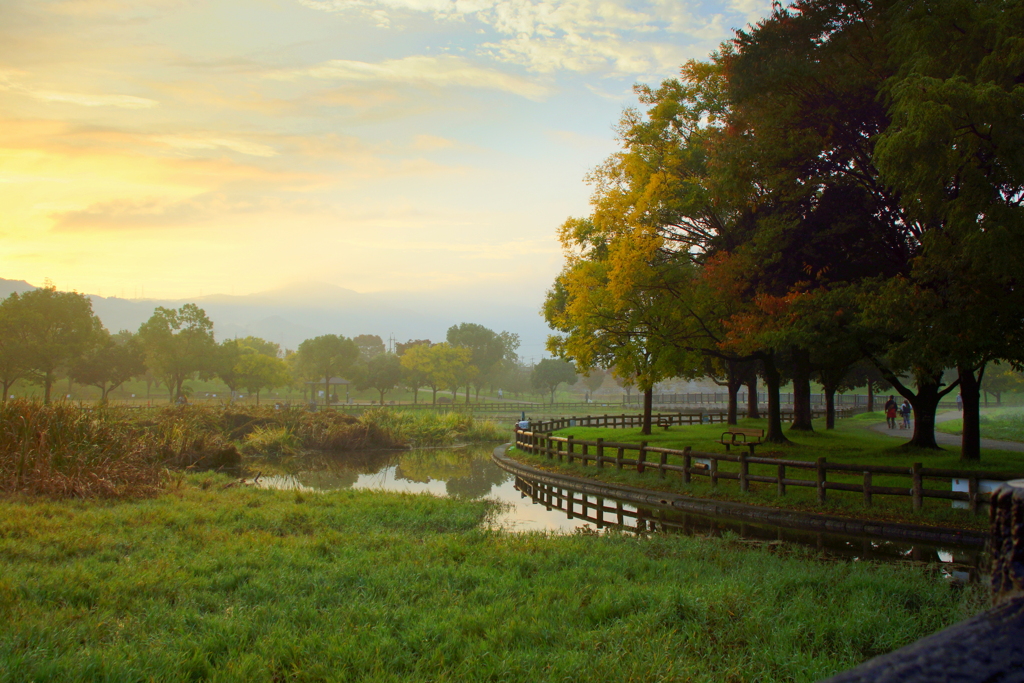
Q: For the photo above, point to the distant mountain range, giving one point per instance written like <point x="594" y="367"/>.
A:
<point x="291" y="314"/>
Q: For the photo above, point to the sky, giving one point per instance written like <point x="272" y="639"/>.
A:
<point x="180" y="148"/>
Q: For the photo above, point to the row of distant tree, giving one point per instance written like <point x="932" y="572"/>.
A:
<point x="46" y="335"/>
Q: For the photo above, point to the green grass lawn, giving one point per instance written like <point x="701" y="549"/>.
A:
<point x="230" y="584"/>
<point x="851" y="442"/>
<point x="1006" y="424"/>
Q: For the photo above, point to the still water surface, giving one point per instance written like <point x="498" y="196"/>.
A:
<point x="469" y="472"/>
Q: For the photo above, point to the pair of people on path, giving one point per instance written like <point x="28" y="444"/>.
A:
<point x="892" y="410"/>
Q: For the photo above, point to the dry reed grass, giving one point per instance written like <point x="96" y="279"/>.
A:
<point x="63" y="451"/>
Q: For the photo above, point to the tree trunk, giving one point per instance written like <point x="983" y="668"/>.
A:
<point x="381" y="396"/>
<point x="467" y="395"/>
<point x="648" y="410"/>
<point x="415" y="395"/>
<point x="47" y="384"/>
<point x="830" y="406"/>
<point x="924" y="403"/>
<point x="801" y="392"/>
<point x="433" y="399"/>
<point x="970" y="440"/>
<point x="772" y="380"/>
<point x="752" y="408"/>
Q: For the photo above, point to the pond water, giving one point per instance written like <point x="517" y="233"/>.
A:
<point x="469" y="472"/>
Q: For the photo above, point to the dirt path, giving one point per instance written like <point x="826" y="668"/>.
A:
<point x="948" y="439"/>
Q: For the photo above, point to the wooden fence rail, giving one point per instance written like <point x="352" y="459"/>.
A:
<point x="627" y="421"/>
<point x="691" y="464"/>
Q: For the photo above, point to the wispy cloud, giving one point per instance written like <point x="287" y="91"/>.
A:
<point x="199" y="142"/>
<point x="619" y="37"/>
<point x="87" y="100"/>
<point x="440" y="71"/>
<point x="12" y="80"/>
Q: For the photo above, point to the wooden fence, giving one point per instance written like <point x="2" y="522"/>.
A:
<point x="690" y="464"/>
<point x="626" y="421"/>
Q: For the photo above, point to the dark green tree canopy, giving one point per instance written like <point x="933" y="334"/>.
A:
<point x="55" y="329"/>
<point x="179" y="344"/>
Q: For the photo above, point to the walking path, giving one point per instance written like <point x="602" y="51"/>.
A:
<point x="944" y="439"/>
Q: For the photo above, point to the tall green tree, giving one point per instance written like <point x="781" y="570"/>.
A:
<point x="324" y="357"/>
<point x="225" y="363"/>
<point x="14" y="348"/>
<point x="179" y="344"/>
<point x="550" y="373"/>
<point x="382" y="372"/>
<point x="415" y="373"/>
<point x="258" y="371"/>
<point x="953" y="152"/>
<point x="486" y="347"/>
<point x="111" y="362"/>
<point x="55" y="330"/>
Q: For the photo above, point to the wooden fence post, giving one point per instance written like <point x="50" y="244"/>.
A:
<point x="972" y="494"/>
<point x="641" y="457"/>
<point x="867" y="489"/>
<point x="661" y="465"/>
<point x="744" y="485"/>
<point x="687" y="462"/>
<point x="1007" y="523"/>
<point x="918" y="481"/>
<point x="781" y="480"/>
<point x="714" y="471"/>
<point x="568" y="449"/>
<point x="618" y="458"/>
<point x="821" y="481"/>
<point x="600" y="452"/>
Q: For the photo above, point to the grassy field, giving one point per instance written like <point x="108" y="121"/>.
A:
<point x="1006" y="424"/>
<point x="209" y="581"/>
<point x="851" y="442"/>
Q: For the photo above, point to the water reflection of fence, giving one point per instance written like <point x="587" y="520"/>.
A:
<point x="627" y="421"/>
<point x="689" y="464"/>
<point x="606" y="513"/>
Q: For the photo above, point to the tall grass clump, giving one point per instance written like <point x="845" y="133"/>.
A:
<point x="61" y="451"/>
<point x="331" y="431"/>
<point x="191" y="437"/>
<point x="425" y="429"/>
<point x="271" y="440"/>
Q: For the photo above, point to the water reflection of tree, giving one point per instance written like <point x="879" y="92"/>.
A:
<point x="331" y="471"/>
<point x="482" y="477"/>
<point x="467" y="472"/>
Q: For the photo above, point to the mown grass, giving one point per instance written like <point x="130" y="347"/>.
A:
<point x="851" y="442"/>
<point x="229" y="584"/>
<point x="1007" y="425"/>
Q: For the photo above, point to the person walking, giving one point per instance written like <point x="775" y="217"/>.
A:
<point x="890" y="412"/>
<point x="905" y="411"/>
<point x="960" y="402"/>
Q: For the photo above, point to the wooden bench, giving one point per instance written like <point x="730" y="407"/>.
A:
<point x="747" y="434"/>
<point x="664" y="423"/>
